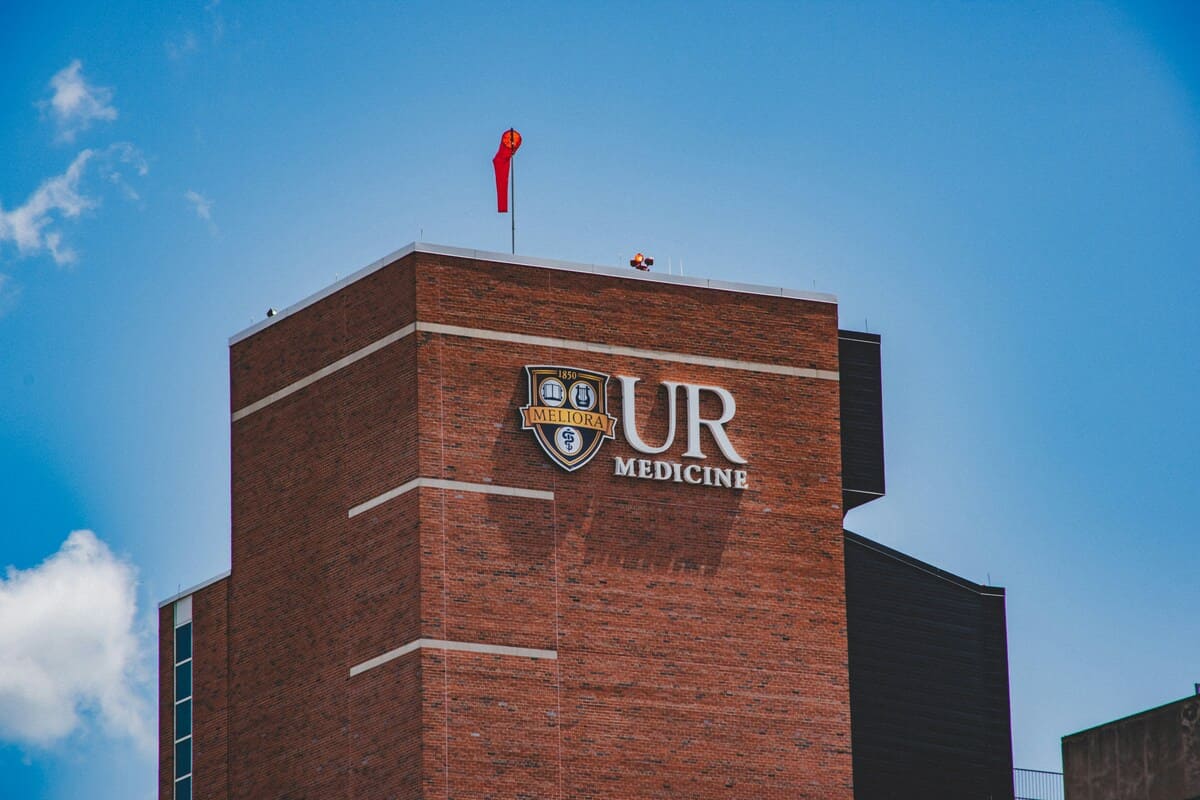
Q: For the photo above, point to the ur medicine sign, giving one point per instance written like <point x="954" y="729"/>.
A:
<point x="567" y="412"/>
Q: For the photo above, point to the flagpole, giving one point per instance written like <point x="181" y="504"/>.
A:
<point x="512" y="173"/>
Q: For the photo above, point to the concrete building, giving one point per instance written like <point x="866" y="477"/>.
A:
<point x="1154" y="755"/>
<point x="512" y="528"/>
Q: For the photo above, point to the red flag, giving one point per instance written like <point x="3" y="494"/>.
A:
<point x="510" y="140"/>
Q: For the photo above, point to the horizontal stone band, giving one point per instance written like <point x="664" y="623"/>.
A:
<point x="440" y="483"/>
<point x="325" y="371"/>
<point x="462" y="647"/>
<point x="536" y="341"/>
<point x="633" y="352"/>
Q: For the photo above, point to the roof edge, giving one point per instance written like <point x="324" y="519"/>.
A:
<point x="1128" y="717"/>
<point x="859" y="336"/>
<point x="193" y="589"/>
<point x="958" y="580"/>
<point x="529" y="261"/>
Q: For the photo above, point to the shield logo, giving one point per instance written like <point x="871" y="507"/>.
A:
<point x="568" y="413"/>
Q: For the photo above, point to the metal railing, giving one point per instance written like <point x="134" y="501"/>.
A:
<point x="1037" y="784"/>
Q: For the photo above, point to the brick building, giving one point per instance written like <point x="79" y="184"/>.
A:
<point x="524" y="529"/>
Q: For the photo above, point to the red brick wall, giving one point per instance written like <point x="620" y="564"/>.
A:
<point x="309" y="595"/>
<point x="210" y="654"/>
<point x="210" y="679"/>
<point x="700" y="632"/>
<point x="296" y="345"/>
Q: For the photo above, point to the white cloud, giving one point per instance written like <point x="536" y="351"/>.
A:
<point x="186" y="45"/>
<point x="189" y="43"/>
<point x="216" y="20"/>
<point x="76" y="104"/>
<point x="203" y="208"/>
<point x="29" y="225"/>
<point x="69" y="649"/>
<point x="57" y="196"/>
<point x="122" y="153"/>
<point x="200" y="204"/>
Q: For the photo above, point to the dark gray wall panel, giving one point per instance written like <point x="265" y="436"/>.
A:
<point x="929" y="702"/>
<point x="862" y="417"/>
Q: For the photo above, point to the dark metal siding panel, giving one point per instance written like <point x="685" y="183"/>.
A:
<point x="862" y="417"/>
<point x="996" y="700"/>
<point x="928" y="681"/>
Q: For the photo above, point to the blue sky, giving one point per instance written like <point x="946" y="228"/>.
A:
<point x="1009" y="193"/>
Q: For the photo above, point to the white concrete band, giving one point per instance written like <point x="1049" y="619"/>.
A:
<point x="308" y="380"/>
<point x="462" y="647"/>
<point x="440" y="483"/>
<point x="535" y="341"/>
<point x="633" y="352"/>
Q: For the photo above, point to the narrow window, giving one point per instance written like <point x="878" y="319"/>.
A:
<point x="183" y="699"/>
<point x="183" y="681"/>
<point x="183" y="758"/>
<point x="183" y="719"/>
<point x="183" y="642"/>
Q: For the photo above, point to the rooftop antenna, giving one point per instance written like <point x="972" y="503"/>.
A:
<point x="513" y="202"/>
